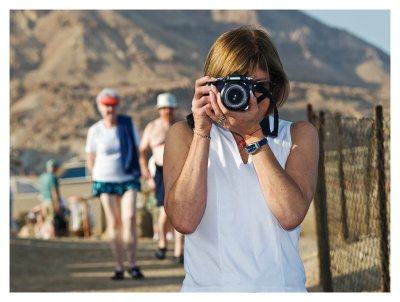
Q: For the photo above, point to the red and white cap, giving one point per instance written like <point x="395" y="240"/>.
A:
<point x="108" y="96"/>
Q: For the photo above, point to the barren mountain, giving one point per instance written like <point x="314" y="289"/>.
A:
<point x="61" y="59"/>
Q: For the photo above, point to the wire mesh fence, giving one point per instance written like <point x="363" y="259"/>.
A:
<point x="352" y="202"/>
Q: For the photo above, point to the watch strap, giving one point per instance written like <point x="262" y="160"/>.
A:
<point x="252" y="148"/>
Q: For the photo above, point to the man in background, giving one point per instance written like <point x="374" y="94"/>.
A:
<point x="51" y="199"/>
<point x="153" y="139"/>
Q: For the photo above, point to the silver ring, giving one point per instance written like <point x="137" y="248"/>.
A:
<point x="222" y="118"/>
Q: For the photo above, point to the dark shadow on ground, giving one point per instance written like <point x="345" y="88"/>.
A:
<point x="82" y="266"/>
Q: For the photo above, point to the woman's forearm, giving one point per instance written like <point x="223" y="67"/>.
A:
<point x="283" y="195"/>
<point x="289" y="191"/>
<point x="186" y="201"/>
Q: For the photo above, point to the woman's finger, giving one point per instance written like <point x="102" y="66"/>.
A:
<point x="202" y="91"/>
<point x="201" y="87"/>
<point x="198" y="103"/>
<point x="253" y="102"/>
<point x="221" y="105"/>
<point x="218" y="115"/>
<point x="203" y="81"/>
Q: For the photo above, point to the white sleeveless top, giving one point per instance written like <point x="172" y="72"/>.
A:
<point x="239" y="246"/>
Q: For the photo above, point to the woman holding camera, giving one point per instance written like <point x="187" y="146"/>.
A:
<point x="236" y="189"/>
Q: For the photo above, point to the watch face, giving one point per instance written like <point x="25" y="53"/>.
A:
<point x="252" y="148"/>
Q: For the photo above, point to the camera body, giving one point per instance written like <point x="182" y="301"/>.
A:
<point x="235" y="91"/>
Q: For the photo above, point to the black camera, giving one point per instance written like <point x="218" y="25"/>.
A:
<point x="235" y="91"/>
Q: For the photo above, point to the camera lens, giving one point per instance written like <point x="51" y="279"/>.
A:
<point x="235" y="97"/>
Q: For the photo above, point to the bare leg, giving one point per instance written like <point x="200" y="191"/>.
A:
<point x="47" y="212"/>
<point x="154" y="213"/>
<point x="128" y="205"/>
<point x="162" y="227"/>
<point x="178" y="251"/>
<point x="51" y="231"/>
<point x="112" y="212"/>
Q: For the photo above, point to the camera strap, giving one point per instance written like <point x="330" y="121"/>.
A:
<point x="266" y="127"/>
<point x="190" y="120"/>
<point x="265" y="122"/>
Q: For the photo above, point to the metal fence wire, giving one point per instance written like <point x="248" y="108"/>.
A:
<point x="353" y="202"/>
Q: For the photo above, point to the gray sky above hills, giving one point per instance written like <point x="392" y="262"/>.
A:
<point x="373" y="26"/>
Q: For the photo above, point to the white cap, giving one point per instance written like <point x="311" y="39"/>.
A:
<point x="166" y="100"/>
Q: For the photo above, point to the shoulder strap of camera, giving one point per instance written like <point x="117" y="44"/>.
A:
<point x="265" y="122"/>
<point x="190" y="120"/>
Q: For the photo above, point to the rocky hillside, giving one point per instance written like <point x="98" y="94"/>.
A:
<point x="61" y="59"/>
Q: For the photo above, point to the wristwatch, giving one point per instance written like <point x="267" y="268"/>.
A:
<point x="252" y="148"/>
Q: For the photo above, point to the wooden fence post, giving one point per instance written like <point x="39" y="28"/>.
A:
<point x="325" y="275"/>
<point x="342" y="185"/>
<point x="368" y="181"/>
<point x="382" y="199"/>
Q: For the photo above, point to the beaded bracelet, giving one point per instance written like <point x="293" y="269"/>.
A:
<point x="201" y="135"/>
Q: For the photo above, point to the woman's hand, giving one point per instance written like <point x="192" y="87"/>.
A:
<point x="241" y="122"/>
<point x="201" y="106"/>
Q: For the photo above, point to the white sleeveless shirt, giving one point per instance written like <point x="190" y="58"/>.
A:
<point x="239" y="246"/>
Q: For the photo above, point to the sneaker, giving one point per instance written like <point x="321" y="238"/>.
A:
<point x="135" y="272"/>
<point x="119" y="275"/>
<point x="160" y="253"/>
<point x="178" y="259"/>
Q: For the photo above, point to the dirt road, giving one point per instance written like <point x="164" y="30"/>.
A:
<point x="77" y="265"/>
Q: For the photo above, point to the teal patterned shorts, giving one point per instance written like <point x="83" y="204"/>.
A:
<point x="117" y="188"/>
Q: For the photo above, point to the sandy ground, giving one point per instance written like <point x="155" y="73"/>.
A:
<point x="85" y="265"/>
<point x="78" y="265"/>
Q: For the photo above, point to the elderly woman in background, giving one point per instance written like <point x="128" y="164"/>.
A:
<point x="112" y="159"/>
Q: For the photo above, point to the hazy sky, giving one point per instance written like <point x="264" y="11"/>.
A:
<point x="372" y="26"/>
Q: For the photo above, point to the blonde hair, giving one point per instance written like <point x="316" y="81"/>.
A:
<point x="242" y="51"/>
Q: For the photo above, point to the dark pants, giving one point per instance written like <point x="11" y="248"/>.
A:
<point x="159" y="180"/>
